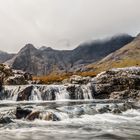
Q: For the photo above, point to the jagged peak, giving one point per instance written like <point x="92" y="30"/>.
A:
<point x="28" y="47"/>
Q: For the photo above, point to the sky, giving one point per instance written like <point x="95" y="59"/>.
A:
<point x="64" y="24"/>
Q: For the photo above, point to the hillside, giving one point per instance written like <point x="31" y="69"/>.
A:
<point x="127" y="56"/>
<point x="45" y="60"/>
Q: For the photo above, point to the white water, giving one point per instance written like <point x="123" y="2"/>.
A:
<point x="78" y="119"/>
<point x="107" y="126"/>
<point x="47" y="92"/>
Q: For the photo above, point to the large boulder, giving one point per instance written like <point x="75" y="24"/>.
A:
<point x="32" y="114"/>
<point x="25" y="94"/>
<point x="22" y="112"/>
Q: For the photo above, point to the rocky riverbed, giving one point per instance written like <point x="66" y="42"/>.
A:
<point x="103" y="107"/>
<point x="121" y="83"/>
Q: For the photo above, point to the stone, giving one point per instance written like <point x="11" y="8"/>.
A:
<point x="9" y="76"/>
<point x="25" y="94"/>
<point x="5" y="120"/>
<point x="75" y="79"/>
<point x="22" y="112"/>
<point x="49" y="116"/>
<point x="16" y="80"/>
<point x="33" y="115"/>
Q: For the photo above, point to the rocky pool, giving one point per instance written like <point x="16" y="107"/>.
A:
<point x="71" y="120"/>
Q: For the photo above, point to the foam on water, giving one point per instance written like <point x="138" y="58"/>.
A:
<point x="100" y="126"/>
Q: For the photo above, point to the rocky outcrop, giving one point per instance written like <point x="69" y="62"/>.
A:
<point x="9" y="76"/>
<point x="121" y="83"/>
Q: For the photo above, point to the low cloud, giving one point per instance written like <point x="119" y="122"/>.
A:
<point x="63" y="24"/>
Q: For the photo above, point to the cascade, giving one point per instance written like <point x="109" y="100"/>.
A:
<point x="46" y="92"/>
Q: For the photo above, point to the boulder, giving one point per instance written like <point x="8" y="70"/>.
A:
<point x="25" y="94"/>
<point x="75" y="79"/>
<point x="5" y="120"/>
<point x="49" y="116"/>
<point x="33" y="115"/>
<point x="22" y="112"/>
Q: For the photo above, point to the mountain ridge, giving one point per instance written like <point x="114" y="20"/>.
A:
<point x="128" y="55"/>
<point x="47" y="60"/>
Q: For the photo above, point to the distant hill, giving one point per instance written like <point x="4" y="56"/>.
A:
<point x="129" y="55"/>
<point x="46" y="60"/>
<point x="5" y="56"/>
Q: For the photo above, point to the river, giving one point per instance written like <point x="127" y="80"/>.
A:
<point x="73" y="125"/>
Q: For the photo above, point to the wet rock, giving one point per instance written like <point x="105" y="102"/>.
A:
<point x="75" y="92"/>
<point x="101" y="108"/>
<point x="22" y="112"/>
<point x="5" y="120"/>
<point x="49" y="94"/>
<point x="33" y="115"/>
<point x="27" y="113"/>
<point x="116" y="111"/>
<point x="49" y="116"/>
<point x="89" y="109"/>
<point x="25" y="94"/>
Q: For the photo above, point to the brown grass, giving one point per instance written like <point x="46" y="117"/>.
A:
<point x="57" y="78"/>
<point x="94" y="70"/>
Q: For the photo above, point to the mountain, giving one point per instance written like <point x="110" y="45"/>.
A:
<point x="127" y="56"/>
<point x="39" y="61"/>
<point x="5" y="56"/>
<point x="46" y="60"/>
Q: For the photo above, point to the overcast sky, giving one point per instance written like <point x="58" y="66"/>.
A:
<point x="63" y="24"/>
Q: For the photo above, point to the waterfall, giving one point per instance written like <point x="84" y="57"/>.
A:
<point x="35" y="95"/>
<point x="87" y="92"/>
<point x="46" y="92"/>
<point x="62" y="93"/>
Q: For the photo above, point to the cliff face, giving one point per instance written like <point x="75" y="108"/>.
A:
<point x="47" y="60"/>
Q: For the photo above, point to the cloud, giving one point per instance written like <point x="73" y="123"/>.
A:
<point x="63" y="24"/>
